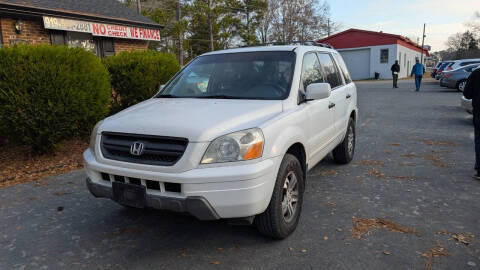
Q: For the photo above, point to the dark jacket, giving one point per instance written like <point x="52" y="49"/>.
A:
<point x="472" y="90"/>
<point x="395" y="68"/>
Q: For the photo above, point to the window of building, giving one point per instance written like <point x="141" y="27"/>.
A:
<point x="384" y="56"/>
<point x="102" y="47"/>
<point x="311" y="70"/>
<point x="331" y="72"/>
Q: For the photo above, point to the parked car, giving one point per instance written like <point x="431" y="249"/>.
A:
<point x="237" y="148"/>
<point x="466" y="104"/>
<point x="435" y="68"/>
<point x="457" y="78"/>
<point x="464" y="62"/>
<point x="441" y="68"/>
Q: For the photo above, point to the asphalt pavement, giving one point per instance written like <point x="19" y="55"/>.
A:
<point x="409" y="191"/>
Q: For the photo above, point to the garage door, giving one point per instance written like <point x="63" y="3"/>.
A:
<point x="358" y="63"/>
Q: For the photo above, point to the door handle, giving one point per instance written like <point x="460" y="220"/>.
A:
<point x="331" y="105"/>
<point x="348" y="96"/>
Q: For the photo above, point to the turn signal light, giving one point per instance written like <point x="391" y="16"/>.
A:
<point x="255" y="151"/>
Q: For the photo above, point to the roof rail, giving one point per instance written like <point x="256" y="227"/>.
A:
<point x="295" y="42"/>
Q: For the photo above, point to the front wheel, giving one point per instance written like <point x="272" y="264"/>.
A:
<point x="343" y="153"/>
<point x="283" y="213"/>
<point x="461" y="85"/>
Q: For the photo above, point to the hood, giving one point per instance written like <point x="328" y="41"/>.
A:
<point x="198" y="120"/>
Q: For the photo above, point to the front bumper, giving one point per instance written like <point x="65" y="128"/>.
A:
<point x="197" y="206"/>
<point x="236" y="191"/>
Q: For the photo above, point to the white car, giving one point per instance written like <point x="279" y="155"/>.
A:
<point x="231" y="136"/>
<point x="463" y="62"/>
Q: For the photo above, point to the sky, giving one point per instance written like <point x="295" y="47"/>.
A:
<point x="406" y="17"/>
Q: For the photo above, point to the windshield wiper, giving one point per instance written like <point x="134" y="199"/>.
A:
<point x="221" y="97"/>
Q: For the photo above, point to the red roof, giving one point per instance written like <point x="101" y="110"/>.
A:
<point x="354" y="38"/>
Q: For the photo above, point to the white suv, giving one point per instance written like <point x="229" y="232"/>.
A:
<point x="231" y="136"/>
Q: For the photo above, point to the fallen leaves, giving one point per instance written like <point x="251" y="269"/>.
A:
<point x="20" y="166"/>
<point x="435" y="252"/>
<point x="464" y="238"/>
<point x="376" y="173"/>
<point x="328" y="172"/>
<point x="436" y="161"/>
<point x="439" y="143"/>
<point x="364" y="226"/>
<point x="370" y="163"/>
<point x="387" y="253"/>
<point x="325" y="238"/>
<point x="215" y="262"/>
<point x="394" y="144"/>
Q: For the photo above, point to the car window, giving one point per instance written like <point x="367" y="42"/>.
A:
<point x="331" y="72"/>
<point x="311" y="70"/>
<point x="469" y="63"/>
<point x="343" y="67"/>
<point x="249" y="75"/>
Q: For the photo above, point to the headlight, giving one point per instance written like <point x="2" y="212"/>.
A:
<point x="237" y="146"/>
<point x="93" y="137"/>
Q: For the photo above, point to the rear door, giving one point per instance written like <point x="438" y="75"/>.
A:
<point x="321" y="130"/>
<point x="340" y="96"/>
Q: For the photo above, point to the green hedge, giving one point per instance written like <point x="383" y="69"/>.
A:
<point x="137" y="75"/>
<point x="50" y="93"/>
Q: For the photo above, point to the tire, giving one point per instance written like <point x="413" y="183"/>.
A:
<point x="279" y="221"/>
<point x="343" y="153"/>
<point x="461" y="85"/>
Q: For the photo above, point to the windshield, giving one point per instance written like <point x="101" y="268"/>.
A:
<point x="249" y="75"/>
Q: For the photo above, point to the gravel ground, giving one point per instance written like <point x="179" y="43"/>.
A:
<point x="409" y="191"/>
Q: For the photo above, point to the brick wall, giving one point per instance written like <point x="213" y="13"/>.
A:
<point x="129" y="45"/>
<point x="32" y="32"/>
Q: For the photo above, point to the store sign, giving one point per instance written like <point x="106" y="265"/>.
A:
<point x="101" y="29"/>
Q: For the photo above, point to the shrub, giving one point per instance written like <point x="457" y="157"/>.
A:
<point x="50" y="93"/>
<point x="137" y="75"/>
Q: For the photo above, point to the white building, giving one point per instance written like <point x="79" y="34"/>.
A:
<point x="367" y="52"/>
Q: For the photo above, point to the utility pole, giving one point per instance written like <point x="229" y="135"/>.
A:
<point x="180" y="34"/>
<point x="423" y="42"/>
<point x="328" y="27"/>
<point x="139" y="7"/>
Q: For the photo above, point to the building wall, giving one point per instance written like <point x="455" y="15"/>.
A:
<point x="122" y="45"/>
<point x="375" y="65"/>
<point x="410" y="56"/>
<point x="32" y="32"/>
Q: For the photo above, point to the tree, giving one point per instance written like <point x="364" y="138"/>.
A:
<point x="462" y="41"/>
<point x="250" y="15"/>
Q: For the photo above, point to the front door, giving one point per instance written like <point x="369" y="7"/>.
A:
<point x="340" y="95"/>
<point x="321" y="128"/>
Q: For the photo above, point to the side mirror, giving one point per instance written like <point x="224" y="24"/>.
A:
<point x="318" y="91"/>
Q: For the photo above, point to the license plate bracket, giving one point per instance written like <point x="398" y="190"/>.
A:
<point x="129" y="194"/>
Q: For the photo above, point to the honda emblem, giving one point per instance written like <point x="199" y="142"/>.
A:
<point x="137" y="148"/>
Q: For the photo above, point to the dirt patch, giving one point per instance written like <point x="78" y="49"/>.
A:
<point x="370" y="163"/>
<point x="435" y="252"/>
<point x="364" y="226"/>
<point x="20" y="166"/>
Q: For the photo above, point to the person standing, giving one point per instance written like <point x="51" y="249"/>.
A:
<point x="472" y="91"/>
<point x="418" y="70"/>
<point x="395" y="70"/>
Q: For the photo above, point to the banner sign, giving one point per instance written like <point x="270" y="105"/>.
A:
<point x="101" y="29"/>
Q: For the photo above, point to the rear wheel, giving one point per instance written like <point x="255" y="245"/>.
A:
<point x="461" y="85"/>
<point x="283" y="213"/>
<point x="343" y="153"/>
